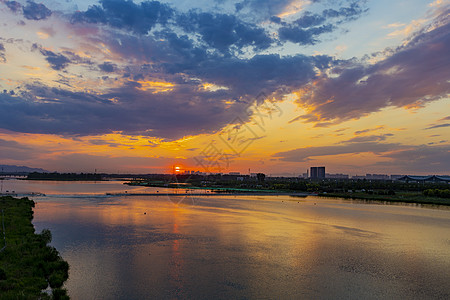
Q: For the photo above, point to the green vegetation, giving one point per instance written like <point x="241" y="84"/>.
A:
<point x="28" y="264"/>
<point x="441" y="193"/>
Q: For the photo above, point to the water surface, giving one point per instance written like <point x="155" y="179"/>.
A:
<point x="245" y="247"/>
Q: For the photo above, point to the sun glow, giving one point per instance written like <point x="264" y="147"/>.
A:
<point x="176" y="169"/>
<point x="156" y="86"/>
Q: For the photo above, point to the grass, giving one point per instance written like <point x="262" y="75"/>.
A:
<point x="28" y="264"/>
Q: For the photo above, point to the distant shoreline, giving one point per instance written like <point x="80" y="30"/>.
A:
<point x="215" y="194"/>
<point x="418" y="199"/>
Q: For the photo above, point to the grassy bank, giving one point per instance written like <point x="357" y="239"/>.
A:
<point x="408" y="197"/>
<point x="28" y="264"/>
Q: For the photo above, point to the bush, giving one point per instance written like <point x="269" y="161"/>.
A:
<point x="60" y="294"/>
<point x="2" y="274"/>
<point x="57" y="279"/>
<point x="441" y="193"/>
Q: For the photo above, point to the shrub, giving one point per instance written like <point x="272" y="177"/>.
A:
<point x="2" y="274"/>
<point x="60" y="294"/>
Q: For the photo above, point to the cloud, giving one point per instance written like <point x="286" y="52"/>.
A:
<point x="244" y="77"/>
<point x="438" y="126"/>
<point x="82" y="162"/>
<point x="411" y="76"/>
<point x="184" y="109"/>
<point x="135" y="112"/>
<point x="267" y="73"/>
<point x="132" y="107"/>
<point x="221" y="31"/>
<point x="107" y="67"/>
<point x="306" y="29"/>
<point x="308" y="153"/>
<point x="139" y="18"/>
<point x="2" y="53"/>
<point x="152" y="41"/>
<point x="15" y="151"/>
<point x="408" y="158"/>
<point x="56" y="61"/>
<point x="14" y="6"/>
<point x="266" y="8"/>
<point x="34" y="11"/>
<point x="426" y="159"/>
<point x="349" y="13"/>
<point x="369" y="130"/>
<point x="369" y="138"/>
<point x="59" y="61"/>
<point x="302" y="36"/>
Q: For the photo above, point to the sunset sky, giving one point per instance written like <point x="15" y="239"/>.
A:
<point x="273" y="86"/>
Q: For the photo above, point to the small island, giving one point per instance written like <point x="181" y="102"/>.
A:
<point x="29" y="267"/>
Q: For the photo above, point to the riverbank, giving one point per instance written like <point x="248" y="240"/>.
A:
<point x="28" y="265"/>
<point x="399" y="197"/>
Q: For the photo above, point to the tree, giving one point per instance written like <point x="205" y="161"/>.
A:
<point x="261" y="177"/>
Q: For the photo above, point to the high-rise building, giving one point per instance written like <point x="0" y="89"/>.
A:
<point x="317" y="172"/>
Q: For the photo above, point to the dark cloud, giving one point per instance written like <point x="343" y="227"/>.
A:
<point x="221" y="31"/>
<point x="2" y="53"/>
<point x="186" y="109"/>
<point x="302" y="36"/>
<point x="107" y="67"/>
<point x="269" y="73"/>
<point x="306" y="29"/>
<point x="368" y="138"/>
<point x="139" y="18"/>
<point x="34" y="11"/>
<point x="244" y="78"/>
<point x="439" y="126"/>
<point x="59" y="61"/>
<point x="224" y="32"/>
<point x="368" y="130"/>
<point x="133" y="111"/>
<point x="309" y="20"/>
<point x="56" y="61"/>
<point x="352" y="12"/>
<point x="13" y="5"/>
<point x="410" y="76"/>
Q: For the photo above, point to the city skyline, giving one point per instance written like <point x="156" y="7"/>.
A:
<point x="224" y="86"/>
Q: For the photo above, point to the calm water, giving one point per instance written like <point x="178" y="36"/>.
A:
<point x="223" y="247"/>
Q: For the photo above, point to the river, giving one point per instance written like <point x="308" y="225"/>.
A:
<point x="240" y="247"/>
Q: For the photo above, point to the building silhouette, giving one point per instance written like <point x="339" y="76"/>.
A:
<point x="317" y="172"/>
